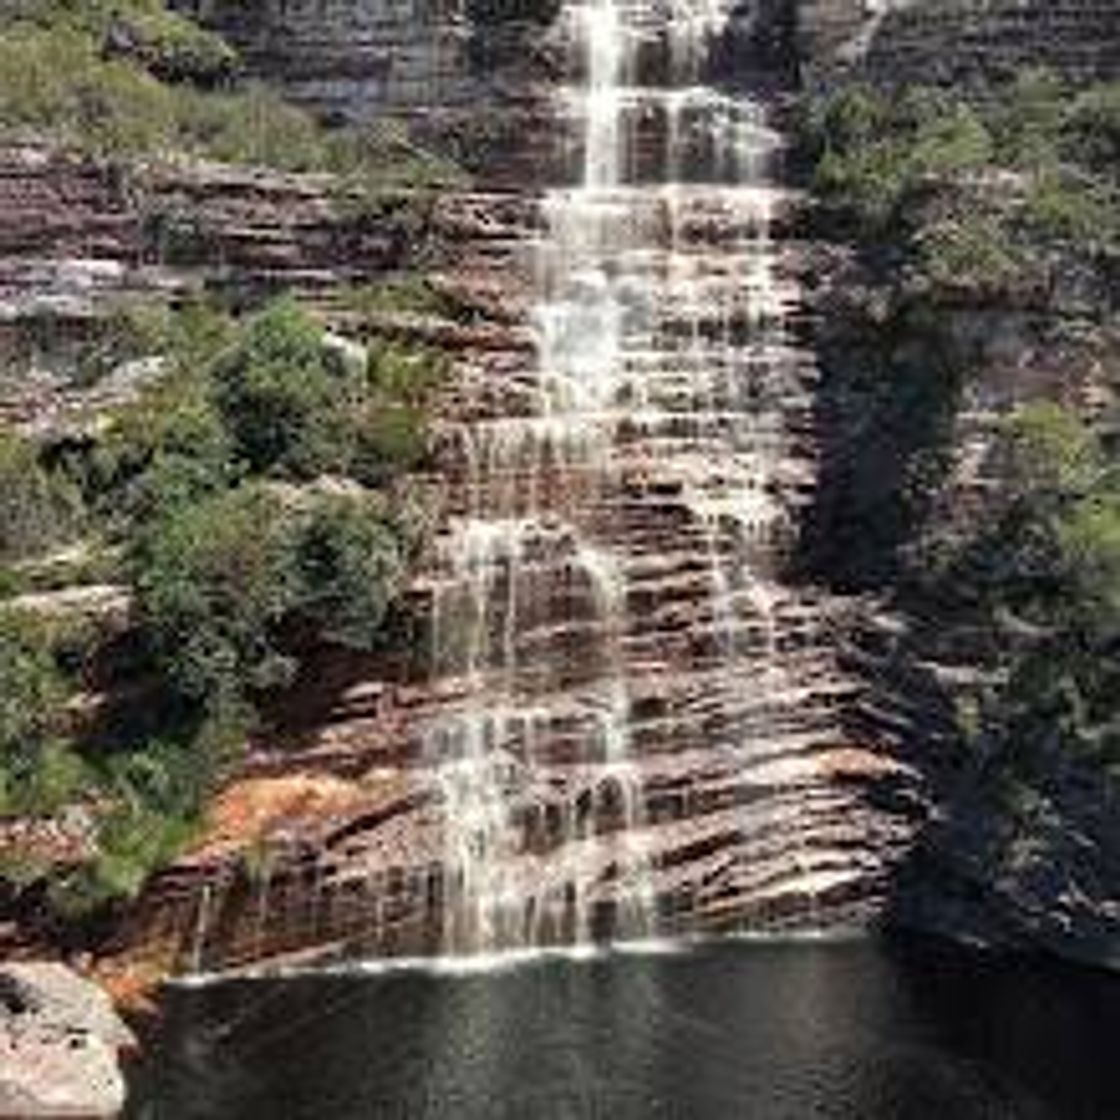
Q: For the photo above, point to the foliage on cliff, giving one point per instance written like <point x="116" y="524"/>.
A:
<point x="1037" y="584"/>
<point x="37" y="771"/>
<point x="971" y="361"/>
<point x="958" y="215"/>
<point x="249" y="502"/>
<point x="127" y="79"/>
<point x="974" y="196"/>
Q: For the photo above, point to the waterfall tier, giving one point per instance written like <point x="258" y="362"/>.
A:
<point x="610" y="597"/>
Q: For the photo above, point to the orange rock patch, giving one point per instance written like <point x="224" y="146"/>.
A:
<point x="251" y="809"/>
<point x="853" y="761"/>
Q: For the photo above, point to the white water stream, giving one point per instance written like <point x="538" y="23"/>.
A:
<point x="658" y="315"/>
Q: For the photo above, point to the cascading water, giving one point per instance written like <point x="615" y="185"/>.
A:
<point x="639" y="475"/>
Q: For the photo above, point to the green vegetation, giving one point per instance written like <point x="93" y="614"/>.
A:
<point x="213" y="582"/>
<point x="984" y="238"/>
<point x="244" y="498"/>
<point x="970" y="196"/>
<point x="128" y="79"/>
<point x="37" y="509"/>
<point x="248" y="499"/>
<point x="955" y="210"/>
<point x="349" y="563"/>
<point x="166" y="44"/>
<point x="37" y="772"/>
<point x="1036" y="585"/>
<point x="281" y="395"/>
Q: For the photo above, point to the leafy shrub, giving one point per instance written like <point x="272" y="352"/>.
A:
<point x="37" y="772"/>
<point x="1091" y="132"/>
<point x="1089" y="540"/>
<point x="169" y="45"/>
<point x="37" y="508"/>
<point x="409" y="293"/>
<point x="56" y="82"/>
<point x="214" y="581"/>
<point x="131" y="843"/>
<point x="127" y="333"/>
<point x="871" y="153"/>
<point x="166" y="450"/>
<point x="298" y="406"/>
<point x="278" y="391"/>
<point x="969" y="249"/>
<point x="388" y="429"/>
<point x="255" y="126"/>
<point x="1050" y="455"/>
<point x="31" y="685"/>
<point x="220" y="582"/>
<point x="1072" y="209"/>
<point x="1038" y="162"/>
<point x="956" y="142"/>
<point x="40" y="782"/>
<point x="350" y="567"/>
<point x="1027" y="119"/>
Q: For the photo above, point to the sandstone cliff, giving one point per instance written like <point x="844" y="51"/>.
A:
<point x="332" y="837"/>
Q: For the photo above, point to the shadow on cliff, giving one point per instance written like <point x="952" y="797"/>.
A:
<point x="337" y="685"/>
<point x="1013" y="843"/>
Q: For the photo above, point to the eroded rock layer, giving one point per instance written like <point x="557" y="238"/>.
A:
<point x="962" y="42"/>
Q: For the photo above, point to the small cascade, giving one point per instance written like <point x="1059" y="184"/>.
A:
<point x="607" y="586"/>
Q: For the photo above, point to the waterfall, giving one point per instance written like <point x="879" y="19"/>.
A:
<point x="641" y="473"/>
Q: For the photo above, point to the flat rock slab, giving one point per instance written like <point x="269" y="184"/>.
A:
<point x="59" y="1043"/>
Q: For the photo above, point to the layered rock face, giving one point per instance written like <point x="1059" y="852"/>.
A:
<point x="623" y="717"/>
<point x="957" y="41"/>
<point x="1040" y="872"/>
<point x="353" y="57"/>
<point x="464" y="78"/>
<point x="78" y="241"/>
<point x="629" y="721"/>
<point x="470" y="76"/>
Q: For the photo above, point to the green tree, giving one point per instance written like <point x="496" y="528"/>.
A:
<point x="214" y="581"/>
<point x="350" y="567"/>
<point x="167" y="449"/>
<point x="279" y="390"/>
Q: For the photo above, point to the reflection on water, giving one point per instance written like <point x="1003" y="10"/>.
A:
<point x="802" y="1031"/>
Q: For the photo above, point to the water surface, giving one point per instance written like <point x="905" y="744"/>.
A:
<point x="856" y="1030"/>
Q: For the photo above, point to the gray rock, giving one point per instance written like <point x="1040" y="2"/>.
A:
<point x="59" y="1044"/>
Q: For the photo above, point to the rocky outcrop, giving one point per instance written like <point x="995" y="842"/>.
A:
<point x="466" y="79"/>
<point x="81" y="241"/>
<point x="998" y="863"/>
<point x="472" y="78"/>
<point x="75" y="232"/>
<point x="59" y="1044"/>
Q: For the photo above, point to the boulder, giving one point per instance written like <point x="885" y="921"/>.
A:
<point x="60" y="1040"/>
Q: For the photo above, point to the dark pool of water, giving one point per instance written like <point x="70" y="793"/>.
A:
<point x="798" y="1031"/>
